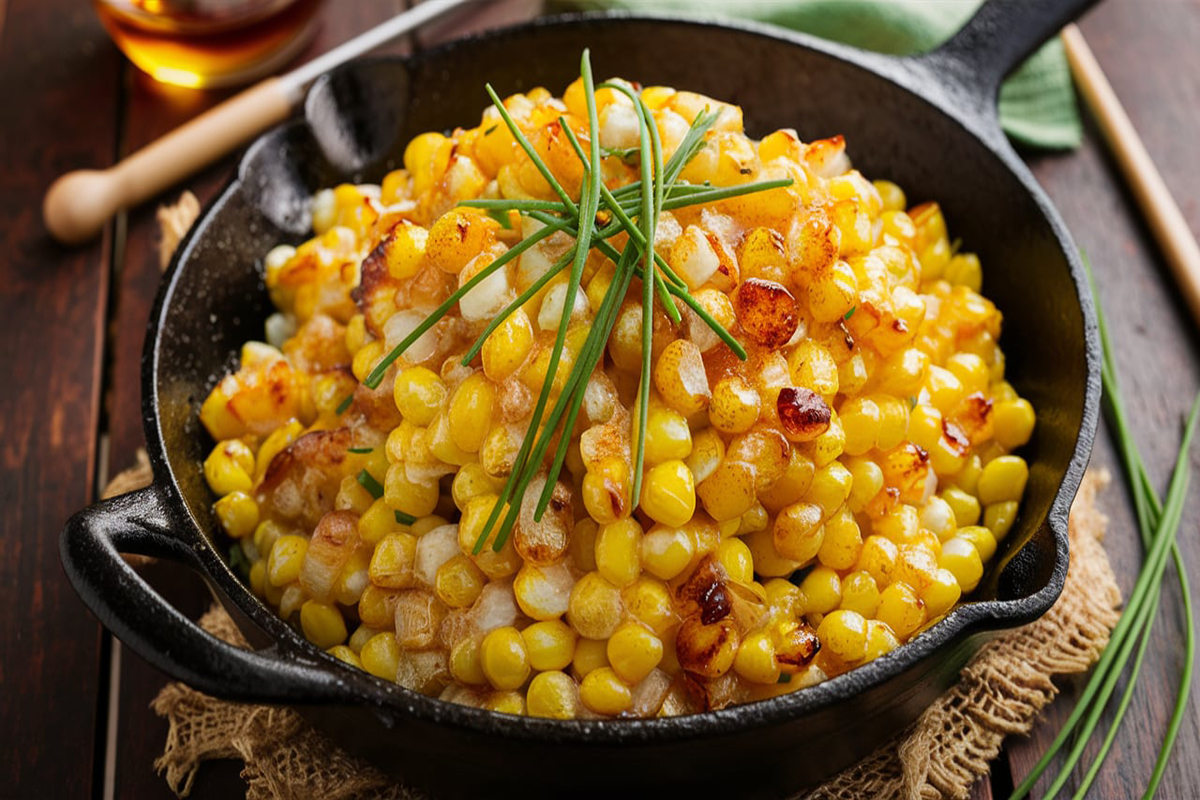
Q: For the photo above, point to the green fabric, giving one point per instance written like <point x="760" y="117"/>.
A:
<point x="1037" y="102"/>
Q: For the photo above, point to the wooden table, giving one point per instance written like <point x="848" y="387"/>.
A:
<point x="74" y="715"/>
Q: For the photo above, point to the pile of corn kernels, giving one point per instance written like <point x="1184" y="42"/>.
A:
<point x="803" y="511"/>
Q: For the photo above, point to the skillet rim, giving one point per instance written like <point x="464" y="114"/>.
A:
<point x="968" y="621"/>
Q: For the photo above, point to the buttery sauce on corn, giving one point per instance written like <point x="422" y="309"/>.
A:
<point x="803" y="511"/>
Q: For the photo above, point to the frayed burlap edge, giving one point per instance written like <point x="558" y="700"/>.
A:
<point x="942" y="755"/>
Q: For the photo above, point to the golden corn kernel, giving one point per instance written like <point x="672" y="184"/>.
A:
<point x="380" y="656"/>
<point x="229" y="466"/>
<point x="550" y="644"/>
<point x="844" y="632"/>
<point x="1002" y="480"/>
<point x="941" y="593"/>
<point x="669" y="493"/>
<point x="735" y="406"/>
<point x="755" y="659"/>
<point x="238" y="514"/>
<point x="419" y="394"/>
<point x="603" y="692"/>
<point x="553" y="695"/>
<point x="735" y="557"/>
<point x="606" y="490"/>
<point x="508" y="346"/>
<point x="459" y="582"/>
<point x="595" y="606"/>
<point x="1013" y="421"/>
<point x="286" y="559"/>
<point x="590" y="655"/>
<point x="901" y="609"/>
<point x="961" y="558"/>
<point x="405" y="496"/>
<point x="618" y="548"/>
<point x="633" y="651"/>
<point x="323" y="624"/>
<point x="822" y="589"/>
<point x="965" y="506"/>
<point x="466" y="665"/>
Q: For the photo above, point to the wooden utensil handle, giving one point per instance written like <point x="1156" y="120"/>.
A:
<point x="1166" y="221"/>
<point x="79" y="203"/>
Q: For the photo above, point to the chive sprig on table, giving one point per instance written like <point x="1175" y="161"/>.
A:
<point x="633" y="210"/>
<point x="1158" y="524"/>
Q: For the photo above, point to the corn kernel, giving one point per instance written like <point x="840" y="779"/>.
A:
<point x="466" y="665"/>
<point x="345" y="655"/>
<point x="323" y="624"/>
<point x="878" y="558"/>
<point x="606" y="490"/>
<point x="965" y="506"/>
<point x="618" y="547"/>
<point x="1002" y="480"/>
<point x="901" y="609"/>
<point x="238" y="514"/>
<point x="668" y="436"/>
<point x="419" y="394"/>
<point x="470" y="415"/>
<point x="755" y="659"/>
<point x="844" y="632"/>
<point x="286" y="559"/>
<point x="680" y="378"/>
<point x="1013" y="421"/>
<point x="590" y="655"/>
<point x="961" y="558"/>
<point x="504" y="658"/>
<point x="507" y="347"/>
<point x="603" y="692"/>
<point x="414" y="499"/>
<point x="941" y="594"/>
<point x="595" y="607"/>
<point x="229" y="467"/>
<point x="729" y="492"/>
<point x="550" y="644"/>
<point x="860" y="593"/>
<point x="669" y="493"/>
<point x="380" y="656"/>
<point x="706" y="454"/>
<point x="982" y="538"/>
<point x="459" y="582"/>
<point x="552" y="695"/>
<point x="633" y="651"/>
<point x="666" y="551"/>
<point x="999" y="518"/>
<point x="735" y="406"/>
<point x="822" y="590"/>
<point x="798" y="532"/>
<point x="842" y="542"/>
<point x="880" y="640"/>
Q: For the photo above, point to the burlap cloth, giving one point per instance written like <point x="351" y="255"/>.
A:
<point x="942" y="755"/>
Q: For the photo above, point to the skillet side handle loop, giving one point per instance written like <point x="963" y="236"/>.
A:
<point x="994" y="42"/>
<point x="90" y="547"/>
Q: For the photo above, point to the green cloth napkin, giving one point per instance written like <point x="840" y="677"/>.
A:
<point x="1037" y="102"/>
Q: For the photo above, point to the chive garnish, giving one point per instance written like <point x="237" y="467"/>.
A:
<point x="370" y="484"/>
<point x="598" y="215"/>
<point x="345" y="404"/>
<point x="1158" y="524"/>
<point x="405" y="519"/>
<point x="850" y="313"/>
<point x="360" y="450"/>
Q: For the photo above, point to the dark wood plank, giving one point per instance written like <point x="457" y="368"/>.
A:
<point x="59" y="93"/>
<point x="152" y="110"/>
<point x="1152" y="63"/>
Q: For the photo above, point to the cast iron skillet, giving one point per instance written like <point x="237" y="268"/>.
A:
<point x="929" y="123"/>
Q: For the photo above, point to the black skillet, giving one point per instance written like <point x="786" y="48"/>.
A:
<point x="927" y="122"/>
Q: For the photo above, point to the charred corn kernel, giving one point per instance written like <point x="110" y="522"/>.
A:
<point x="504" y="659"/>
<point x="1003" y="480"/>
<point x="798" y="532"/>
<point x="582" y="545"/>
<point x="392" y="561"/>
<point x="419" y="394"/>
<point x="322" y="623"/>
<point x="618" y="548"/>
<point x="901" y="609"/>
<point x="511" y="702"/>
<point x="466" y="665"/>
<point x="680" y="378"/>
<point x="550" y="644"/>
<point x="344" y="654"/>
<point x="967" y="478"/>
<point x="965" y="506"/>
<point x="228" y="467"/>
<point x="553" y="695"/>
<point x="606" y="490"/>
<point x="666" y="551"/>
<point x="633" y="651"/>
<point x="380" y="656"/>
<point x="938" y="517"/>
<point x="881" y="640"/>
<point x="860" y="593"/>
<point x="999" y="518"/>
<point x="946" y="457"/>
<point x="707" y="452"/>
<point x="878" y="558"/>
<point x="941" y="593"/>
<point x="982" y="538"/>
<point x="258" y="577"/>
<point x="842" y="541"/>
<point x="590" y="655"/>
<point x="729" y="492"/>
<point x="668" y="436"/>
<point x="594" y="609"/>
<point x="755" y="660"/>
<point x="603" y="692"/>
<point x="860" y="420"/>
<point x="964" y="270"/>
<point x="366" y="358"/>
<point x="1013" y="421"/>
<point x="734" y="556"/>
<point x="735" y="405"/>
<point x="470" y="415"/>
<point x="405" y="496"/>
<point x="961" y="557"/>
<point x="830" y="488"/>
<point x="238" y="514"/>
<point x="669" y="493"/>
<point x="458" y="236"/>
<point x="287" y="556"/>
<point x="792" y="485"/>
<point x="459" y="582"/>
<point x="844" y="632"/>
<point x="507" y="347"/>
<point x="866" y="481"/>
<point x="822" y="590"/>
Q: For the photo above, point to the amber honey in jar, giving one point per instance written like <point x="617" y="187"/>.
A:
<point x="207" y="43"/>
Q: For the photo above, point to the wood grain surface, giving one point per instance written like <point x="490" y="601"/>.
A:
<point x="72" y="323"/>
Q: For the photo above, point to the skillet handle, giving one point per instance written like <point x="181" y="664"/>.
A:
<point x="972" y="64"/>
<point x="138" y="522"/>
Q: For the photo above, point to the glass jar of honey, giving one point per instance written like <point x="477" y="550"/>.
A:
<point x="209" y="43"/>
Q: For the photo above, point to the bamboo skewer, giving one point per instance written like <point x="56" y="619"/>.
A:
<point x="79" y="203"/>
<point x="1166" y="221"/>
